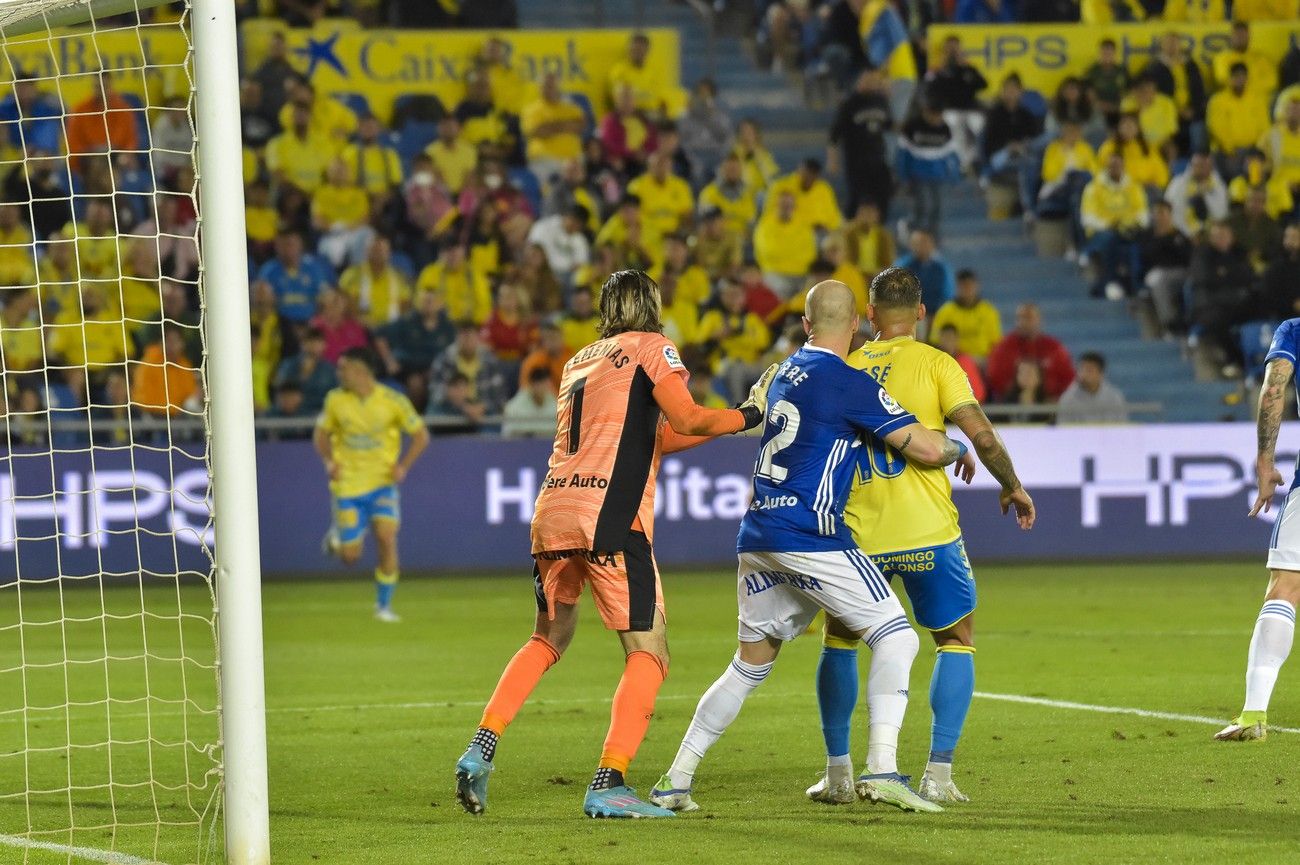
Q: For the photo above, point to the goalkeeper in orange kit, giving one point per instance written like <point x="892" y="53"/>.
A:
<point x="594" y="525"/>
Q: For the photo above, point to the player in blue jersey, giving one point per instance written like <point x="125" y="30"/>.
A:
<point x="903" y="517"/>
<point x="796" y="555"/>
<point x="1275" y="626"/>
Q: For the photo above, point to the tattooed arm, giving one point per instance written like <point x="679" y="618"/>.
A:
<point x="988" y="445"/>
<point x="976" y="426"/>
<point x="1272" y="400"/>
<point x="921" y="444"/>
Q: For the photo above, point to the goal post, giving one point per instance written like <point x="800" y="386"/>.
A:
<point x="132" y="703"/>
<point x="230" y="419"/>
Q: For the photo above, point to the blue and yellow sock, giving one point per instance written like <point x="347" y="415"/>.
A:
<point x="951" y="688"/>
<point x="837" y="692"/>
<point x="385" y="585"/>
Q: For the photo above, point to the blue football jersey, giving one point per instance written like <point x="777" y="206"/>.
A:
<point x="1286" y="341"/>
<point x="818" y="409"/>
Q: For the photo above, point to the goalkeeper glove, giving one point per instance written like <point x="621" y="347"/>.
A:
<point x="758" y="393"/>
<point x="755" y="406"/>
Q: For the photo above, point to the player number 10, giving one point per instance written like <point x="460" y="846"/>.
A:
<point x="877" y="459"/>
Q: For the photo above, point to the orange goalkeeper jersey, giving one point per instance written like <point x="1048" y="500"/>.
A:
<point x="608" y="441"/>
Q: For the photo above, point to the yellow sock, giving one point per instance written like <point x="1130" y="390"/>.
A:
<point x="831" y="641"/>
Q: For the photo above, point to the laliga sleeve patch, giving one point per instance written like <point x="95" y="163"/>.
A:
<point x="672" y="359"/>
<point x="890" y="404"/>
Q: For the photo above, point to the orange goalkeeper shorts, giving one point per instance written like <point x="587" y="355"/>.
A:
<point x="625" y="585"/>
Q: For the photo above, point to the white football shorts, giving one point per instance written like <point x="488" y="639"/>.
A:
<point x="1284" y="549"/>
<point x="779" y="594"/>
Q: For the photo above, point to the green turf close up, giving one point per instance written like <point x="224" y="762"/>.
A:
<point x="366" y="721"/>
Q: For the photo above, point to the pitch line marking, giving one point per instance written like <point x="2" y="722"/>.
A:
<point x="91" y="854"/>
<point x="1005" y="698"/>
<point x="579" y="701"/>
<point x="1116" y="710"/>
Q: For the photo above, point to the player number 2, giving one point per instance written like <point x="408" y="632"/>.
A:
<point x="787" y="415"/>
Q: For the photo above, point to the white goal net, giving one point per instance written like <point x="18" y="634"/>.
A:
<point x="110" y="726"/>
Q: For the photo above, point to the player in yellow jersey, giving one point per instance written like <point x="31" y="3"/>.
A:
<point x="359" y="438"/>
<point x="902" y="516"/>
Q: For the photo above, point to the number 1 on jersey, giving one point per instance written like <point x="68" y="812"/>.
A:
<point x="575" y="413"/>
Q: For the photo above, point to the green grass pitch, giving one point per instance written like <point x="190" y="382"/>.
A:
<point x="366" y="720"/>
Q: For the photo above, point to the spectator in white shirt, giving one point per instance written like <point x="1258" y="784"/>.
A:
<point x="531" y="412"/>
<point x="1198" y="196"/>
<point x="1090" y="398"/>
<point x="562" y="239"/>
<point x="172" y="137"/>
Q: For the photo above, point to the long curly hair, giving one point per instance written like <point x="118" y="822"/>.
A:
<point x="629" y="302"/>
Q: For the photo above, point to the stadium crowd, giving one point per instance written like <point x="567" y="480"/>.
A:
<point x="1177" y="185"/>
<point x="1175" y="178"/>
<point x="466" y="243"/>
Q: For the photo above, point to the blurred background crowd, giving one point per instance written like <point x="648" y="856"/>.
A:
<point x="466" y="240"/>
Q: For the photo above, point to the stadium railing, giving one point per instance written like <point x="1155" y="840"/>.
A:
<point x="186" y="428"/>
<point x="1015" y="412"/>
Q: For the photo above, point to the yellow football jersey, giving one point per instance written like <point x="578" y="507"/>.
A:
<point x="896" y="505"/>
<point x="366" y="437"/>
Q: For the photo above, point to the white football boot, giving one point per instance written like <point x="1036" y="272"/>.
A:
<point x="834" y="792"/>
<point x="934" y="789"/>
<point x="1250" y="727"/>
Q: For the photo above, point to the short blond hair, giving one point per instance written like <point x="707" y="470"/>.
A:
<point x="629" y="302"/>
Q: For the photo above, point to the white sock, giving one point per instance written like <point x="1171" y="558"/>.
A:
<point x="893" y="648"/>
<point x="882" y="749"/>
<point x="1269" y="647"/>
<point x="839" y="769"/>
<point x="941" y="772"/>
<point x="717" y="709"/>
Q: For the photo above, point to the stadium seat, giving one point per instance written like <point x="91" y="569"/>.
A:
<point x="412" y="138"/>
<point x="526" y="182"/>
<point x="1000" y="200"/>
<point x="140" y="117"/>
<point x="1035" y="103"/>
<point x="1255" y="338"/>
<point x="357" y="103"/>
<point x="403" y="264"/>
<point x="422" y="107"/>
<point x="581" y="100"/>
<point x="1051" y="237"/>
<point x="390" y="138"/>
<point x="63" y="408"/>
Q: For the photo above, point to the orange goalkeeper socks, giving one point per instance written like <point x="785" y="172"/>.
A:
<point x="634" y="704"/>
<point x="521" y="675"/>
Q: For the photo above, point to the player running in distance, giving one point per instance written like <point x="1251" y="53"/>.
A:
<point x="359" y="438"/>
<point x="594" y="524"/>
<point x="901" y="514"/>
<point x="1275" y="627"/>
<point x="796" y="555"/>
